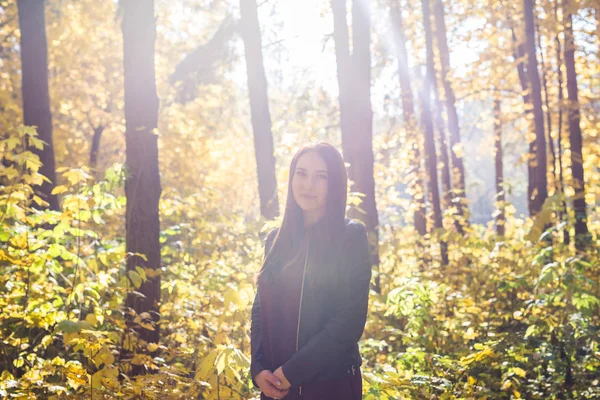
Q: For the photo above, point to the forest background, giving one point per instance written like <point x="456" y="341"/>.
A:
<point x="145" y="147"/>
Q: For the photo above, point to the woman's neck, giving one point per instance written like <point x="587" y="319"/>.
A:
<point x="312" y="217"/>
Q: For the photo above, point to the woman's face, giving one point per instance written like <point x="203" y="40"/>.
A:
<point x="309" y="183"/>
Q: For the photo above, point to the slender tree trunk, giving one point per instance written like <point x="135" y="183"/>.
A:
<point x="95" y="148"/>
<point x="597" y="15"/>
<point x="259" y="107"/>
<point x="548" y="114"/>
<point x="539" y="180"/>
<point x="500" y="195"/>
<point x="360" y="144"/>
<point x="575" y="137"/>
<point x="443" y="142"/>
<point x="354" y="81"/>
<point x="458" y="169"/>
<point x="561" y="182"/>
<point x="518" y="55"/>
<point x="36" y="96"/>
<point x="430" y="154"/>
<point x="410" y="120"/>
<point x="142" y="187"/>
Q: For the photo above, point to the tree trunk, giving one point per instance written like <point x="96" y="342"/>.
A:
<point x="518" y="54"/>
<point x="575" y="137"/>
<point x="597" y="15"/>
<point x="443" y="143"/>
<point x="458" y="169"/>
<point x="142" y="187"/>
<point x="538" y="180"/>
<point x="354" y="81"/>
<point x="552" y="161"/>
<point x="561" y="182"/>
<point x="95" y="148"/>
<point x="410" y="121"/>
<point x="36" y="97"/>
<point x="259" y="108"/>
<point x="430" y="154"/>
<point x="500" y="195"/>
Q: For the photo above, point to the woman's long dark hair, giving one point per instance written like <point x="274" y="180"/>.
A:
<point x="289" y="237"/>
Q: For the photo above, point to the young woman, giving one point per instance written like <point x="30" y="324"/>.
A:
<point x="313" y="288"/>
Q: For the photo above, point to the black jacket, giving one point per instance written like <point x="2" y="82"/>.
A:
<point x="332" y="318"/>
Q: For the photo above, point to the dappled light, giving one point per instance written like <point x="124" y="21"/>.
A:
<point x="147" y="147"/>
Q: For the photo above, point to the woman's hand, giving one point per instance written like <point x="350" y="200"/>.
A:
<point x="270" y="385"/>
<point x="284" y="382"/>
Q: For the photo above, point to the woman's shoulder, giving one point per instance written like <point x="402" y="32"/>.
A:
<point x="354" y="225"/>
<point x="355" y="230"/>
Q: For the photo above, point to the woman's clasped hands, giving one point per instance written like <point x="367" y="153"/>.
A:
<point x="271" y="385"/>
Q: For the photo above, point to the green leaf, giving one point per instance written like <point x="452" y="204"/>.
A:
<point x="136" y="279"/>
<point x="69" y="326"/>
<point x="530" y="330"/>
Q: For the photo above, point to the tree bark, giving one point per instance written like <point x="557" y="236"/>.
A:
<point x="36" y="96"/>
<point x="458" y="169"/>
<point x="500" y="195"/>
<point x="410" y="120"/>
<point x="354" y="81"/>
<point x="430" y="154"/>
<point x="518" y="55"/>
<point x="95" y="148"/>
<point x="443" y="143"/>
<point x="561" y="182"/>
<point x="259" y="108"/>
<point x="142" y="187"/>
<point x="575" y="136"/>
<point x="548" y="114"/>
<point x="539" y="179"/>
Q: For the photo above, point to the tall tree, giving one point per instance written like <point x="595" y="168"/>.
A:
<point x="559" y="133"/>
<point x="36" y="97"/>
<point x="458" y="169"/>
<point x="519" y="55"/>
<point x="142" y="187"/>
<point x="438" y="120"/>
<point x="430" y="154"/>
<point x="548" y="113"/>
<point x="259" y="108"/>
<point x="410" y="120"/>
<point x="500" y="195"/>
<point x="539" y="182"/>
<point x="575" y="137"/>
<point x="354" y="82"/>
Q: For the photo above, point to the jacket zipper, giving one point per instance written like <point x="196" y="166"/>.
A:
<point x="300" y="306"/>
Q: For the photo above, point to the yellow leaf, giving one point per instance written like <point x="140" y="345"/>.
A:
<point x="76" y="375"/>
<point x="60" y="189"/>
<point x="97" y="379"/>
<point x="19" y="241"/>
<point x="58" y="361"/>
<point x="104" y="356"/>
<point x="91" y="319"/>
<point x="76" y="175"/>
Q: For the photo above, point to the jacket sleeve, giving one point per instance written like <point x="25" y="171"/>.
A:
<point x="347" y="323"/>
<point x="256" y="364"/>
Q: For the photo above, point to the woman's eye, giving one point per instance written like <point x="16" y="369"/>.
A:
<point x="321" y="176"/>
